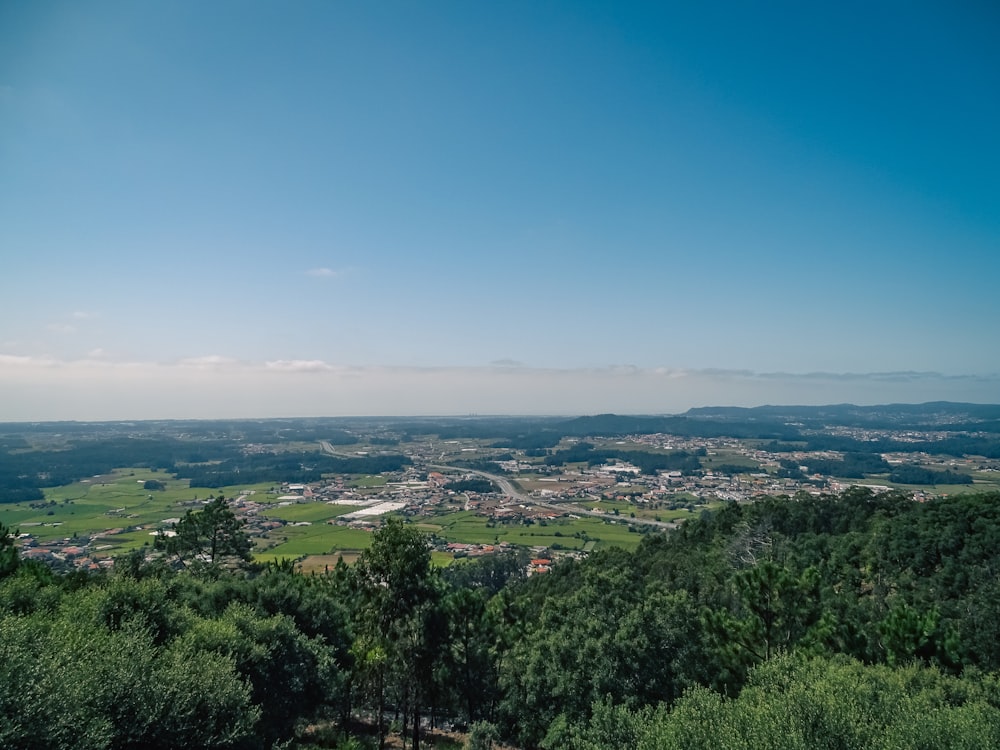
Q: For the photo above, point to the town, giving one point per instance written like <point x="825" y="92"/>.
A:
<point x="473" y="497"/>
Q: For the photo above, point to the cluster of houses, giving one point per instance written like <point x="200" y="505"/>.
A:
<point x="547" y="493"/>
<point x="79" y="552"/>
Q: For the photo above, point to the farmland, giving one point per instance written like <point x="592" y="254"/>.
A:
<point x="313" y="490"/>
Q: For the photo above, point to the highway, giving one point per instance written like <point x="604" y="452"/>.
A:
<point x="327" y="448"/>
<point x="508" y="489"/>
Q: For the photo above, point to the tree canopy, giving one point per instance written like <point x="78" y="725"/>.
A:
<point x="211" y="536"/>
<point x="856" y="620"/>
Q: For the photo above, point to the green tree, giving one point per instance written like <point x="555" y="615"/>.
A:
<point x="399" y="614"/>
<point x="482" y="736"/>
<point x="606" y="636"/>
<point x="67" y="680"/>
<point x="771" y="610"/>
<point x="834" y="704"/>
<point x="908" y="634"/>
<point x="8" y="552"/>
<point x="209" y="536"/>
<point x="290" y="675"/>
<point x="471" y="633"/>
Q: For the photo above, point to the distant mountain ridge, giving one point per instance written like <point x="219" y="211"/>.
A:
<point x="927" y="416"/>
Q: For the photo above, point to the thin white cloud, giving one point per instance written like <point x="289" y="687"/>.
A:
<point x="69" y="323"/>
<point x="16" y="360"/>
<point x="99" y="388"/>
<point x="298" y="365"/>
<point x="209" y="361"/>
<point x="324" y="273"/>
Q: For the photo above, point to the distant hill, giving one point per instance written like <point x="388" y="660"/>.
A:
<point x="690" y="426"/>
<point x="934" y="415"/>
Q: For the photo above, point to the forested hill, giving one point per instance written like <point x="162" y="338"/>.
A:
<point x="783" y="423"/>
<point x="753" y="593"/>
<point x="861" y="620"/>
<point x="788" y="421"/>
<point x="687" y="426"/>
<point x="933" y="415"/>
<point x="217" y="453"/>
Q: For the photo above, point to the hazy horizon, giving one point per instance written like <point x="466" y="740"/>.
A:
<point x="249" y="209"/>
<point x="218" y="389"/>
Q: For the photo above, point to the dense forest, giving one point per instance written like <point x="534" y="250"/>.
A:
<point x="646" y="462"/>
<point x="208" y="462"/>
<point x="859" y="620"/>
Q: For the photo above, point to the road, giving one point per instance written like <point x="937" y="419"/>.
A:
<point x="327" y="448"/>
<point x="508" y="489"/>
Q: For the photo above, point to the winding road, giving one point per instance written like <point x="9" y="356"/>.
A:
<point x="508" y="489"/>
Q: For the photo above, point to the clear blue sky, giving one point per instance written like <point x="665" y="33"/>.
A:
<point x="262" y="208"/>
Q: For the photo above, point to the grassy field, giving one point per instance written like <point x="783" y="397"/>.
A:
<point x="465" y="526"/>
<point x="293" y="542"/>
<point x="945" y="490"/>
<point x="322" y="563"/>
<point x="627" y="509"/>
<point x="982" y="481"/>
<point x="118" y="503"/>
<point x="120" y="515"/>
<point x="308" y="511"/>
<point x="112" y="501"/>
<point x="728" y="456"/>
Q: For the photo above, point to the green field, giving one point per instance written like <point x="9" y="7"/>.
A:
<point x="118" y="503"/>
<point x="293" y="542"/>
<point x="626" y="509"/>
<point x="467" y="527"/>
<point x="730" y="457"/>
<point x="306" y="511"/>
<point x="112" y="501"/>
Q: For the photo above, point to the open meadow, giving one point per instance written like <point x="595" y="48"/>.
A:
<point x="118" y="512"/>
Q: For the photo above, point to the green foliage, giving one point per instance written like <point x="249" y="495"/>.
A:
<point x="910" y="474"/>
<point x="482" y="736"/>
<point x="394" y="573"/>
<point x="647" y="463"/>
<point x="908" y="634"/>
<point x="838" y="704"/>
<point x="771" y="611"/>
<point x="472" y="485"/>
<point x="71" y="682"/>
<point x="166" y="660"/>
<point x="290" y="675"/>
<point x="291" y="466"/>
<point x="608" y="634"/>
<point x="401" y="624"/>
<point x="9" y="558"/>
<point x="855" y="621"/>
<point x="855" y="465"/>
<point x="208" y="537"/>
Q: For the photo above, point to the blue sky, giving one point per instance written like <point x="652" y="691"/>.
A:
<point x="263" y="209"/>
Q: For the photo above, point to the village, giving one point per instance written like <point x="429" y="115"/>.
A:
<point x="519" y="490"/>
